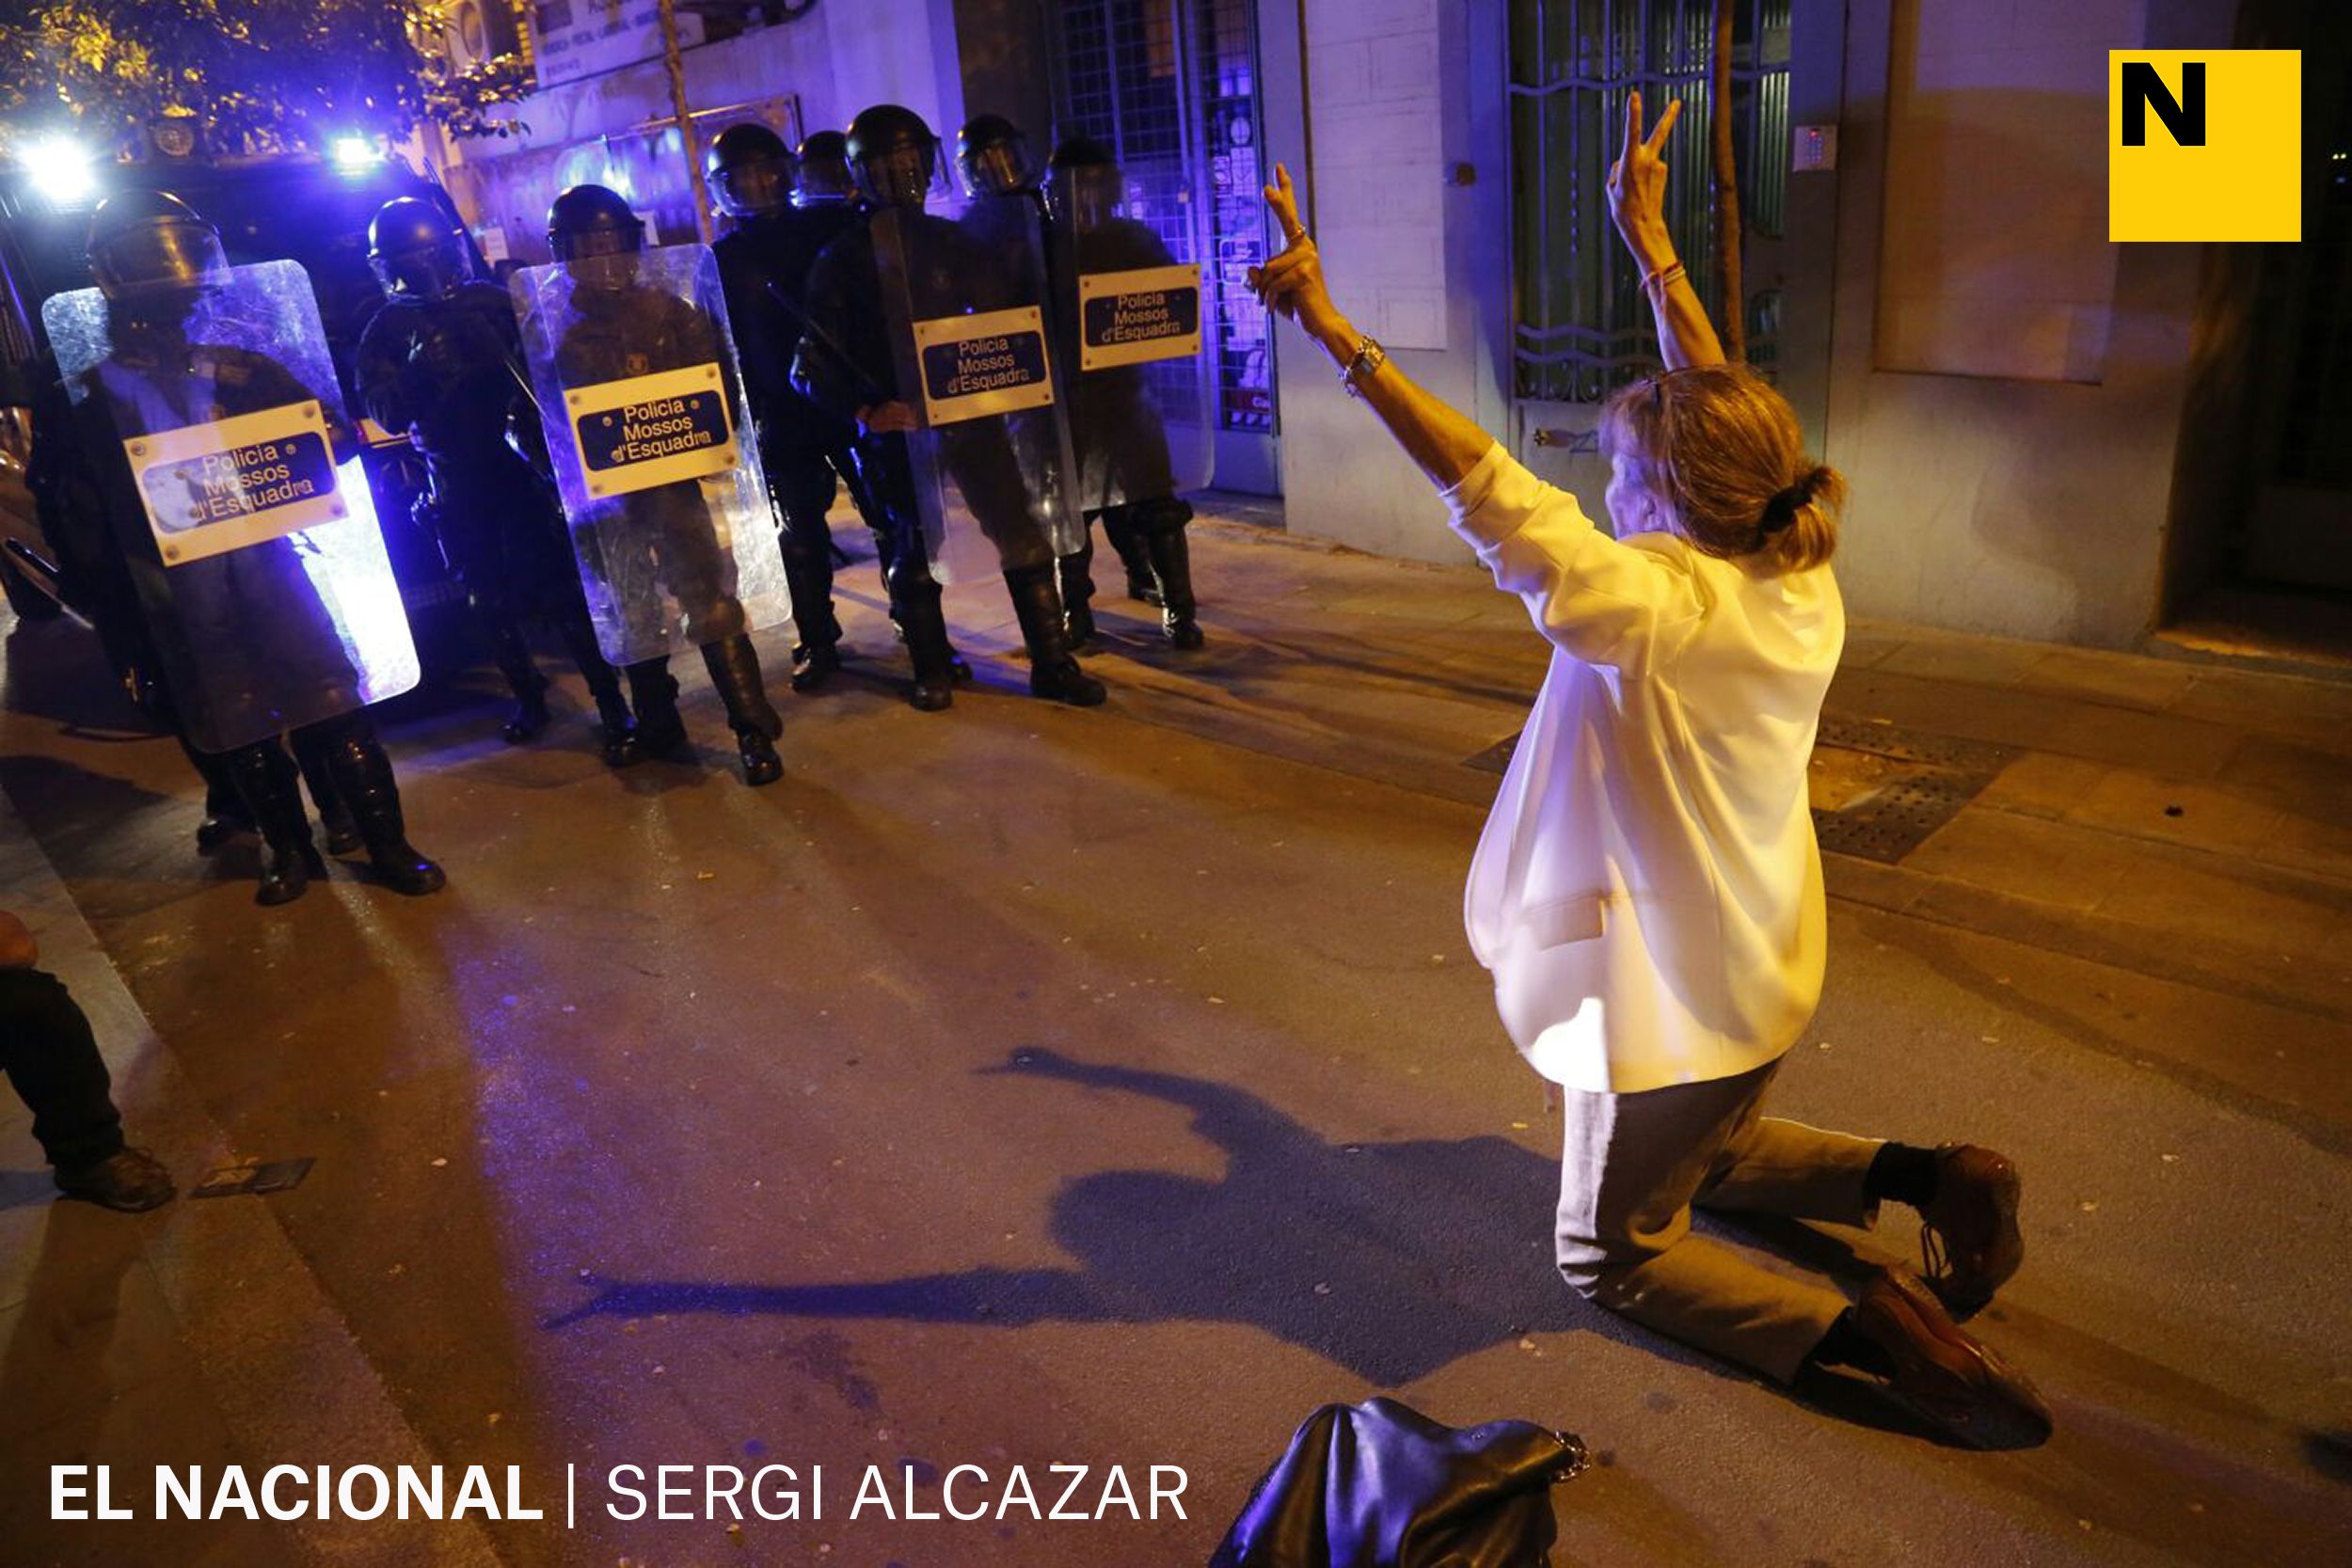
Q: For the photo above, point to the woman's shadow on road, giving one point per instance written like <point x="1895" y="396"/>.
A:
<point x="1390" y="1259"/>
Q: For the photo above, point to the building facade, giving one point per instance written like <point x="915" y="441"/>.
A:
<point x="2049" y="435"/>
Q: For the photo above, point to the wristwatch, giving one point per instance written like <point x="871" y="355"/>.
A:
<point x="1363" y="365"/>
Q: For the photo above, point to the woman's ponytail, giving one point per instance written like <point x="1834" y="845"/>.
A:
<point x="1803" y="534"/>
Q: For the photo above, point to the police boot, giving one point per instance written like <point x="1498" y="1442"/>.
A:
<point x="1053" y="673"/>
<point x="734" y="665"/>
<point x="808" y="577"/>
<point x="1170" y="555"/>
<point x="923" y="627"/>
<point x="654" y="690"/>
<point x="530" y="717"/>
<point x="318" y="776"/>
<point x="1128" y="541"/>
<point x="959" y="668"/>
<point x="363" y="774"/>
<point x="613" y="714"/>
<point x="1078" y="594"/>
<point x="225" y="812"/>
<point x="272" y="791"/>
<point x="604" y="685"/>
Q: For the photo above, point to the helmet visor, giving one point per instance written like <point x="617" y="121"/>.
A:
<point x="752" y="189"/>
<point x="590" y="243"/>
<point x="1091" y="194"/>
<point x="821" y="182"/>
<point x="432" y="272"/>
<point x="999" y="169"/>
<point x="899" y="178"/>
<point x="165" y="255"/>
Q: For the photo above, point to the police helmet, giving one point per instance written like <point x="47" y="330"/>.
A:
<point x="994" y="157"/>
<point x="750" y="170"/>
<point x="1087" y="183"/>
<point x="892" y="155"/>
<point x="820" y="176"/>
<point x="415" y="249"/>
<point x="142" y="240"/>
<point x="593" y="220"/>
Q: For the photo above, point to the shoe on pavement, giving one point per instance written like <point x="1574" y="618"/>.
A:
<point x="1944" y="1377"/>
<point x="1968" y="1236"/>
<point x="129" y="1182"/>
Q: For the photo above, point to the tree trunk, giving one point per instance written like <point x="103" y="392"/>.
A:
<point x="1735" y="303"/>
<point x="675" y="63"/>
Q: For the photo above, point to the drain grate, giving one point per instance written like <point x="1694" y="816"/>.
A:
<point x="1927" y="779"/>
<point x="1914" y="783"/>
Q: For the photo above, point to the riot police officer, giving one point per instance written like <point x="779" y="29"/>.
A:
<point x="849" y="364"/>
<point x="664" y="546"/>
<point x="68" y="488"/>
<point x="241" y="635"/>
<point x="1125" y="476"/>
<point x="441" y="361"/>
<point x="764" y="263"/>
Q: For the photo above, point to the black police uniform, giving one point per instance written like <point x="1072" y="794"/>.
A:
<point x="1120" y="444"/>
<point x="854" y="366"/>
<point x="848" y="364"/>
<point x="448" y="369"/>
<point x="1117" y="436"/>
<point x="806" y="449"/>
<point x="67" y="488"/>
<point x="261" y="618"/>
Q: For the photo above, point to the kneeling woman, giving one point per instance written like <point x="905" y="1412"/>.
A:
<point x="1649" y="892"/>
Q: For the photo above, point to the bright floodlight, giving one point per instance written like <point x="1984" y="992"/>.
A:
<point x="354" y="155"/>
<point x="60" y="170"/>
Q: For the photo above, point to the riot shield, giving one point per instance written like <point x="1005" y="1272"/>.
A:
<point x="964" y="294"/>
<point x="635" y="377"/>
<point x="1129" y="312"/>
<point x="237" y="499"/>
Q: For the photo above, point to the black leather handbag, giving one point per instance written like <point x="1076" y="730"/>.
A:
<point x="1380" y="1486"/>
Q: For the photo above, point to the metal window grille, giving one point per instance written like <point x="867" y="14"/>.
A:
<point x="1171" y="86"/>
<point x="1580" y="327"/>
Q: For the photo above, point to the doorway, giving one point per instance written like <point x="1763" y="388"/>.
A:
<point x="1172" y="87"/>
<point x="1580" y="326"/>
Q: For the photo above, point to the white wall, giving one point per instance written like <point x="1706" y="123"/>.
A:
<point x="1381" y="91"/>
<point x="838" y="61"/>
<point x="2023" y="507"/>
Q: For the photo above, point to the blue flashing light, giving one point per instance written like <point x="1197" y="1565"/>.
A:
<point x="62" y="172"/>
<point x="355" y="154"/>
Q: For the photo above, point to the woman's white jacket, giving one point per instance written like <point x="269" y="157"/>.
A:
<point x="1648" y="892"/>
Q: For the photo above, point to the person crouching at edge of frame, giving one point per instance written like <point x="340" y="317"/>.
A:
<point x="51" y="1059"/>
<point x="1648" y="892"/>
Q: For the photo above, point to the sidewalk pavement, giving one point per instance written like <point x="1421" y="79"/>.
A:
<point x="651" y="1005"/>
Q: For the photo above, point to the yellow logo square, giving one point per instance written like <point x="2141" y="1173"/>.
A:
<point x="2205" y="145"/>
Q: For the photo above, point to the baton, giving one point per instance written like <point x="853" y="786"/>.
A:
<point x="874" y="391"/>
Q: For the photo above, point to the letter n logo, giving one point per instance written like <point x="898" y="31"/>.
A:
<point x="2224" y="159"/>
<point x="2184" y="115"/>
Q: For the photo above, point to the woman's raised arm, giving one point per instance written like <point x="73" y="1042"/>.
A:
<point x="1445" y="444"/>
<point x="1637" y="205"/>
